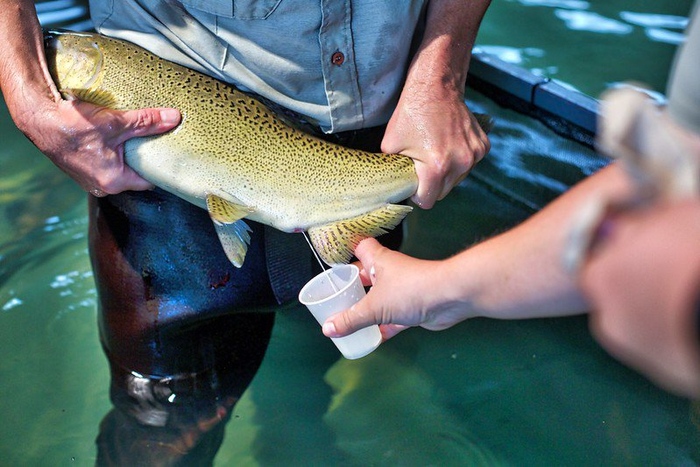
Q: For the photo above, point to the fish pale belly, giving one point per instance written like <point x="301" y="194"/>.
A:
<point x="156" y="161"/>
<point x="294" y="214"/>
<point x="190" y="177"/>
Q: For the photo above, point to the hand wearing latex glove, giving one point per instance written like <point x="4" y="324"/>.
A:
<point x="405" y="292"/>
<point x="431" y="123"/>
<point x="643" y="281"/>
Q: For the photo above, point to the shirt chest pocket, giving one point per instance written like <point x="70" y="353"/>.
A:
<point x="240" y="9"/>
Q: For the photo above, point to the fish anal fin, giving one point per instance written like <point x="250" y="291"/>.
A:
<point x="335" y="242"/>
<point x="225" y="212"/>
<point x="234" y="238"/>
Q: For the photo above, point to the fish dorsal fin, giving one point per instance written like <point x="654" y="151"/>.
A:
<point x="336" y="242"/>
<point x="97" y="97"/>
<point x="225" y="212"/>
<point x="232" y="231"/>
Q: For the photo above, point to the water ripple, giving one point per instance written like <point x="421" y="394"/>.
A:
<point x="665" y="36"/>
<point x="512" y="54"/>
<point x="650" y="20"/>
<point x="570" y="4"/>
<point x="12" y="303"/>
<point x="592" y="22"/>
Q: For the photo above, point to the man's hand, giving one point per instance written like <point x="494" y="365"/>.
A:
<point x="433" y="126"/>
<point x="84" y="140"/>
<point x="431" y="123"/>
<point x="405" y="292"/>
<point x="87" y="141"/>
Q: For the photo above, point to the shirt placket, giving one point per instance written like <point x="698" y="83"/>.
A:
<point x="338" y="65"/>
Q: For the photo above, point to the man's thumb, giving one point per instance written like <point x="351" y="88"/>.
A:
<point x="147" y="122"/>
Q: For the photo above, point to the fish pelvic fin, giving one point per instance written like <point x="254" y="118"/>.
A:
<point x="234" y="234"/>
<point x="235" y="239"/>
<point x="335" y="243"/>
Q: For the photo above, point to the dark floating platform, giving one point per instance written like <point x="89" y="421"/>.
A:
<point x="568" y="112"/>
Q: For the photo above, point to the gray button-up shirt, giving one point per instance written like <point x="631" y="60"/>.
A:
<point x="341" y="63"/>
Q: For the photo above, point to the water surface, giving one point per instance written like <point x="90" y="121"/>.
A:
<point x="588" y="44"/>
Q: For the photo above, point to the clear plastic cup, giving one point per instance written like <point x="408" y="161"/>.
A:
<point x="333" y="291"/>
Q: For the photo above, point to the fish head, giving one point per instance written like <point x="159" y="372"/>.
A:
<point x="75" y="60"/>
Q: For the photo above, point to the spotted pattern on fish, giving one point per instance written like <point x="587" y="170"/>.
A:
<point x="336" y="242"/>
<point x="233" y="147"/>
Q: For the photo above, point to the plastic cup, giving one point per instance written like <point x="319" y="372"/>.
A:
<point x="324" y="299"/>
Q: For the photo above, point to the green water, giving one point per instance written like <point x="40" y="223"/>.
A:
<point x="537" y="392"/>
<point x="587" y="44"/>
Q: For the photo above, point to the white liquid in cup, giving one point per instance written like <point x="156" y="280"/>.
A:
<point x="324" y="299"/>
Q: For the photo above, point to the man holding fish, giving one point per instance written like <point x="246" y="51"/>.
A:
<point x="344" y="69"/>
<point x="341" y="67"/>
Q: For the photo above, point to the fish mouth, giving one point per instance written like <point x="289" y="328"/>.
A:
<point x="51" y="42"/>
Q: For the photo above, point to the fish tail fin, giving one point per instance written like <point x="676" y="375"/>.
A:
<point x="335" y="243"/>
<point x="485" y="121"/>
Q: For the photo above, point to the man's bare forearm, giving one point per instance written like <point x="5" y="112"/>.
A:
<point x="431" y="123"/>
<point x="24" y="76"/>
<point x="445" y="52"/>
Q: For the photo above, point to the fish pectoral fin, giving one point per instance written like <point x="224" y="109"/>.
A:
<point x="97" y="97"/>
<point x="225" y="212"/>
<point x="235" y="239"/>
<point x="335" y="243"/>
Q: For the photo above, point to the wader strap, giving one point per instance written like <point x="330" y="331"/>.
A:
<point x="290" y="263"/>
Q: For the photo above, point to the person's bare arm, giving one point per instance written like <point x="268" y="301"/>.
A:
<point x="431" y="123"/>
<point x="84" y="140"/>
<point x="518" y="274"/>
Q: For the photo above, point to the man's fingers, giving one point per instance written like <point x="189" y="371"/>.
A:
<point x="429" y="186"/>
<point x="133" y="181"/>
<point x="390" y="330"/>
<point x="364" y="274"/>
<point x="147" y="122"/>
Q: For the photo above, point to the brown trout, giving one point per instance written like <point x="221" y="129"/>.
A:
<point x="231" y="154"/>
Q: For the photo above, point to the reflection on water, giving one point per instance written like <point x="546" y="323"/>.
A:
<point x="654" y="21"/>
<point x="662" y="35"/>
<point x="180" y="419"/>
<point x="592" y="22"/>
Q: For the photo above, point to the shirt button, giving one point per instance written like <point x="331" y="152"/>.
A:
<point x="338" y="58"/>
